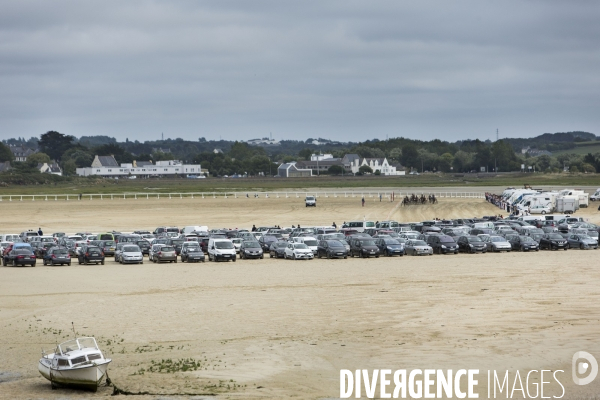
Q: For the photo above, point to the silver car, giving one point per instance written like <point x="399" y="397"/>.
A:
<point x="497" y="244"/>
<point x="417" y="248"/>
<point x="131" y="254"/>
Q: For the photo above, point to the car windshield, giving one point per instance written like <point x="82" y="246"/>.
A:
<point x="335" y="243"/>
<point x="311" y="242"/>
<point x="167" y="248"/>
<point x="526" y="239"/>
<point x="23" y="252"/>
<point x="251" y="244"/>
<point x="474" y="239"/>
<point x="60" y="251"/>
<point x="143" y="243"/>
<point x="109" y="243"/>
<point x="191" y="249"/>
<point x="418" y="243"/>
<point x="367" y="242"/>
<point x="446" y="239"/>
<point x="177" y="242"/>
<point x="585" y="237"/>
<point x="300" y="246"/>
<point x="391" y="241"/>
<point x="224" y="245"/>
<point x="279" y="244"/>
<point x="131" y="249"/>
<point x="497" y="239"/>
<point x="555" y="236"/>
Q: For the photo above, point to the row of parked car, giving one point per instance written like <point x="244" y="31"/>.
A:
<point x="386" y="238"/>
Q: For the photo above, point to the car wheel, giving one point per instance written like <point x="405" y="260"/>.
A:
<point x="155" y="261"/>
<point x="581" y="246"/>
<point x="345" y="257"/>
<point x="543" y="212"/>
<point x="102" y="262"/>
<point x="233" y="259"/>
<point x="79" y="261"/>
<point x="44" y="261"/>
<point x="69" y="264"/>
<point x="414" y="253"/>
<point x="294" y="256"/>
<point x="14" y="263"/>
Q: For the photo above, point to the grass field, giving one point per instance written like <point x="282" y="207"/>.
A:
<point x="107" y="186"/>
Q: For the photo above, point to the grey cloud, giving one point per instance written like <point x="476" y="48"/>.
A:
<point x="348" y="70"/>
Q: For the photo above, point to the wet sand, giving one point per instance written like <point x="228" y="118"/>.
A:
<point x="280" y="329"/>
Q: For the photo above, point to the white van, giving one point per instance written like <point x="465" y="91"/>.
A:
<point x="10" y="237"/>
<point x="530" y="218"/>
<point x="483" y="225"/>
<point x="595" y="196"/>
<point x="556" y="217"/>
<point x="194" y="228"/>
<point x="221" y="249"/>
<point x="310" y="201"/>
<point x="359" y="226"/>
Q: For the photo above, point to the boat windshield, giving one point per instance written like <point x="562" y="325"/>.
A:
<point x="78" y="344"/>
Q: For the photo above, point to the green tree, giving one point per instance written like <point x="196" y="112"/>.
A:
<point x="69" y="167"/>
<point x="445" y="162"/>
<point x="463" y="161"/>
<point x="378" y="172"/>
<point x="5" y="153"/>
<point x="396" y="154"/>
<point x="587" y="167"/>
<point x="305" y="153"/>
<point x="38" y="158"/>
<point x="55" y="144"/>
<point x="365" y="169"/>
<point x="336" y="170"/>
<point x="82" y="158"/>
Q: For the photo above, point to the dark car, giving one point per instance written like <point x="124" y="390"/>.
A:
<point x="90" y="254"/>
<point x="128" y="239"/>
<point x="363" y="247"/>
<point x="471" y="244"/>
<point x="57" y="255"/>
<point x="553" y="241"/>
<point x="251" y="249"/>
<point x="524" y="243"/>
<point x="331" y="249"/>
<point x="20" y="256"/>
<point x="108" y="247"/>
<point x="192" y="252"/>
<point x="390" y="247"/>
<point x="144" y="246"/>
<point x="442" y="244"/>
<point x="277" y="249"/>
<point x="43" y="248"/>
<point x="266" y="241"/>
<point x="176" y="243"/>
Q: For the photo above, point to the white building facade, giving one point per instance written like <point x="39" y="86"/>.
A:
<point x="376" y="164"/>
<point x="161" y="168"/>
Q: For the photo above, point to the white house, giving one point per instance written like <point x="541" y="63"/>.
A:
<point x="143" y="169"/>
<point x="377" y="164"/>
<point x="52" y="168"/>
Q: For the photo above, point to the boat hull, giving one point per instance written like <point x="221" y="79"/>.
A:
<point x="85" y="377"/>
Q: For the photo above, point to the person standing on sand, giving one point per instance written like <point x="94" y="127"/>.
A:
<point x="40" y="233"/>
<point x="363" y="201"/>
<point x="253" y="228"/>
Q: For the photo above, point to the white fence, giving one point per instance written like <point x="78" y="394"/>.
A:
<point x="388" y="195"/>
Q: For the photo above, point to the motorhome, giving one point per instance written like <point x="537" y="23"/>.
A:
<point x="359" y="226"/>
<point x="596" y="195"/>
<point x="581" y="196"/>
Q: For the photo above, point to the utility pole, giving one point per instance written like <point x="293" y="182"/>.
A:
<point x="496" y="134"/>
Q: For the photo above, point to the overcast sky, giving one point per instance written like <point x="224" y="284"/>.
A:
<point x="344" y="70"/>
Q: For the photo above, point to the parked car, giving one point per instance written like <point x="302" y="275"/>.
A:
<point x="524" y="243"/>
<point x="251" y="249"/>
<point x="57" y="255"/>
<point x="266" y="240"/>
<point x="144" y="246"/>
<point x="497" y="244"/>
<point x="163" y="253"/>
<point x="131" y="254"/>
<point x="471" y="244"/>
<point x="108" y="246"/>
<point x="298" y="251"/>
<point x="581" y="241"/>
<point x="192" y="252"/>
<point x="442" y="244"/>
<point x="90" y="254"/>
<point x="20" y="256"/>
<point x="221" y="249"/>
<point x="176" y="243"/>
<point x="417" y="248"/>
<point x="390" y="247"/>
<point x="540" y="209"/>
<point x="364" y="247"/>
<point x="331" y="249"/>
<point x="553" y="241"/>
<point x="43" y="248"/>
<point x="277" y="249"/>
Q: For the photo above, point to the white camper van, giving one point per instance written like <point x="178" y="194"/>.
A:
<point x="596" y="195"/>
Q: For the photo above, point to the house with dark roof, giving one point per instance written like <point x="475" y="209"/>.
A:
<point x="52" y="168"/>
<point x="21" y="152"/>
<point x="104" y="161"/>
<point x="290" y="170"/>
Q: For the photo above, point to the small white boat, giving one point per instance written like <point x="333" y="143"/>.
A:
<point x="78" y="363"/>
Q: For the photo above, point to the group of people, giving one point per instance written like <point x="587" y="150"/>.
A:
<point x="499" y="202"/>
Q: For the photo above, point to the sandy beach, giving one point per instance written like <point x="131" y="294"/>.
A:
<point x="284" y="329"/>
